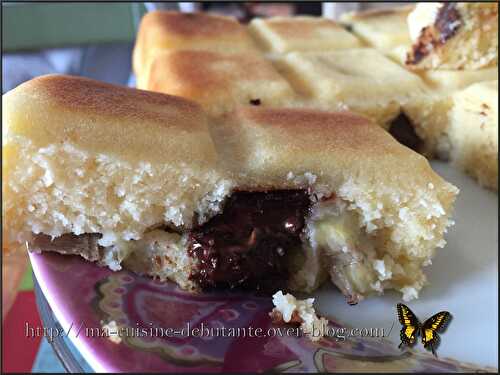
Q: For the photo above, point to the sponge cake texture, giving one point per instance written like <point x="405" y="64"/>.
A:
<point x="83" y="156"/>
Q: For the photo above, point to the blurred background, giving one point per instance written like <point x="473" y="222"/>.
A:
<point x="93" y="40"/>
<point x="96" y="39"/>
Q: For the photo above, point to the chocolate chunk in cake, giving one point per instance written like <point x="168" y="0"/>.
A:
<point x="402" y="129"/>
<point x="246" y="245"/>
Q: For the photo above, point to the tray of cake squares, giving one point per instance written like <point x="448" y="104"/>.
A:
<point x="289" y="194"/>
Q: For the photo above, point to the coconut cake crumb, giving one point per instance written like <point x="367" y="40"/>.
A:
<point x="289" y="309"/>
<point x="409" y="293"/>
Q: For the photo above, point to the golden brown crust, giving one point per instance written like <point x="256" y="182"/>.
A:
<point x="81" y="94"/>
<point x="106" y="118"/>
<point x="218" y="81"/>
<point x="314" y="130"/>
<point x="264" y="144"/>
<point x="191" y="25"/>
<point x="335" y="126"/>
<point x="166" y="30"/>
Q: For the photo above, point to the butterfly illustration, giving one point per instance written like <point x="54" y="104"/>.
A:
<point x="428" y="331"/>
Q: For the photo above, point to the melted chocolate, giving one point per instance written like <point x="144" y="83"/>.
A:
<point x="447" y="24"/>
<point x="447" y="21"/>
<point x="402" y="129"/>
<point x="246" y="245"/>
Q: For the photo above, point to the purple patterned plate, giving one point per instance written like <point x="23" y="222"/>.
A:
<point x="164" y="329"/>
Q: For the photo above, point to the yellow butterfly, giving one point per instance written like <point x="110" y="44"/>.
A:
<point x="428" y="331"/>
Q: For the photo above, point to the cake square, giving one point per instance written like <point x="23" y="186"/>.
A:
<point x="429" y="114"/>
<point x="474" y="132"/>
<point x="368" y="189"/>
<point x="91" y="151"/>
<point x="265" y="144"/>
<point x="383" y="29"/>
<point x="285" y="34"/>
<point x="167" y="30"/>
<point x="219" y="81"/>
<point x="362" y="79"/>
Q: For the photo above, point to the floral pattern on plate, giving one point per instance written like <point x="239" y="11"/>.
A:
<point x="153" y="320"/>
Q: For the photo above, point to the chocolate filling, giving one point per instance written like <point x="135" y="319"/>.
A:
<point x="446" y="26"/>
<point x="246" y="245"/>
<point x="402" y="129"/>
<point x="447" y="21"/>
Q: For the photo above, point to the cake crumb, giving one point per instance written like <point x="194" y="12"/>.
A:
<point x="289" y="309"/>
<point x="112" y="331"/>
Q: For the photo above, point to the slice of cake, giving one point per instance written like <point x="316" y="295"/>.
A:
<point x="474" y="132"/>
<point x="100" y="170"/>
<point x="259" y="199"/>
<point x="378" y="210"/>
